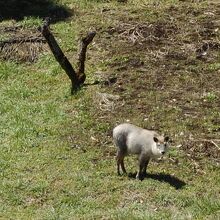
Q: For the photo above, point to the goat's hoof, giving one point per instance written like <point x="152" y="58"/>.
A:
<point x="139" y="177"/>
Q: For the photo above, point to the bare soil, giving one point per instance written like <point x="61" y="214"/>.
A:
<point x="169" y="70"/>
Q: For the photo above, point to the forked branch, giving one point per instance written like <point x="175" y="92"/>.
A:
<point x="77" y="78"/>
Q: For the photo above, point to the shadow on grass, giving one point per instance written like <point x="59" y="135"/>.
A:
<point x="172" y="180"/>
<point x="19" y="9"/>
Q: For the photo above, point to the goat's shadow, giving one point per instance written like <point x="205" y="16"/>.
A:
<point x="162" y="177"/>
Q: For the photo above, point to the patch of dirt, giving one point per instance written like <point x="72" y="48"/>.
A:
<point x="169" y="65"/>
<point x="130" y="62"/>
<point x="198" y="149"/>
<point x="21" y="44"/>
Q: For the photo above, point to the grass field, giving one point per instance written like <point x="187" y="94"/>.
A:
<point x="156" y="64"/>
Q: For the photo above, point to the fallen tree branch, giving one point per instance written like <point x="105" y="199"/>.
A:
<point x="23" y="40"/>
<point x="77" y="78"/>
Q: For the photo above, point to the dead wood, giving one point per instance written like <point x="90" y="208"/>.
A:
<point x="59" y="55"/>
<point x="22" y="40"/>
<point x="82" y="55"/>
<point x="77" y="78"/>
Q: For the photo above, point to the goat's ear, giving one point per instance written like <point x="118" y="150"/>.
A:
<point x="166" y="139"/>
<point x="155" y="139"/>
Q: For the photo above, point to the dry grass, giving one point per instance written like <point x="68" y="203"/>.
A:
<point x="21" y="44"/>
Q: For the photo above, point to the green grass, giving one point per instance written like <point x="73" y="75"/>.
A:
<point x="57" y="158"/>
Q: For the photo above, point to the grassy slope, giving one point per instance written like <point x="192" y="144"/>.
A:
<point x="57" y="159"/>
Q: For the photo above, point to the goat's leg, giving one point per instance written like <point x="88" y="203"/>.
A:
<point x="145" y="167"/>
<point x="123" y="166"/>
<point x="142" y="161"/>
<point x="120" y="162"/>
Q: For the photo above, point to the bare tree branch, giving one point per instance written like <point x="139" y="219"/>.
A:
<point x="77" y="78"/>
<point x="59" y="55"/>
<point x="82" y="55"/>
